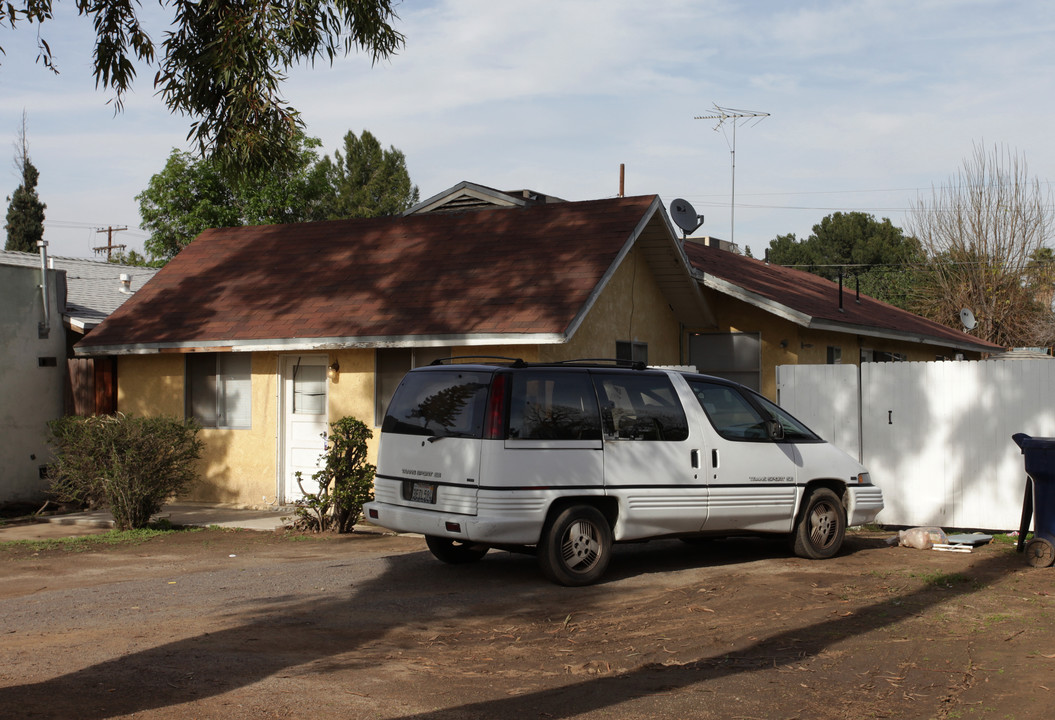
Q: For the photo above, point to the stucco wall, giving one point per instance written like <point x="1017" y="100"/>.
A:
<point x="631" y="307"/>
<point x="32" y="392"/>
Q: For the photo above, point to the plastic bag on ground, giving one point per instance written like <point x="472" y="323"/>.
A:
<point x="922" y="538"/>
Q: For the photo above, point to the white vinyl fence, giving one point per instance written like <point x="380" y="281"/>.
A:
<point x="935" y="436"/>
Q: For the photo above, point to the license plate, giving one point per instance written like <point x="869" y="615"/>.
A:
<point x="423" y="493"/>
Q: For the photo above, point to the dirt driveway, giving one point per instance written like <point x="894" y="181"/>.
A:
<point x="241" y="624"/>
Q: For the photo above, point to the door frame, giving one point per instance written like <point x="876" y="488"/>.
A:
<point x="285" y="362"/>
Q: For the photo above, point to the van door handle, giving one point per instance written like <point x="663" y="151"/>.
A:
<point x="714" y="458"/>
<point x="695" y="459"/>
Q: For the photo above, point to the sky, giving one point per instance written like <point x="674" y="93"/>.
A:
<point x="872" y="105"/>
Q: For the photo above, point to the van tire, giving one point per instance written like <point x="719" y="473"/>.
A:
<point x="821" y="527"/>
<point x="455" y="552"/>
<point x="576" y="546"/>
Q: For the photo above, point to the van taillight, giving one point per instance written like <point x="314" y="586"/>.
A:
<point x="496" y="409"/>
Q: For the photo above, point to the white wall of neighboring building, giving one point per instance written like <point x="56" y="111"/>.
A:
<point x="32" y="377"/>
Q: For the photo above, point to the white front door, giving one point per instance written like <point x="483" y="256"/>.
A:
<point x="304" y="423"/>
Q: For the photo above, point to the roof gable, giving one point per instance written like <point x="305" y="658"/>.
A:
<point x="814" y="302"/>
<point x="522" y="273"/>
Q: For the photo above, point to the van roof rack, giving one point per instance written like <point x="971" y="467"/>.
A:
<point x="515" y="362"/>
<point x="617" y="362"/>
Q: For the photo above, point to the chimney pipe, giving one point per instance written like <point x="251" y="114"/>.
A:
<point x="622" y="179"/>
<point x="126" y="284"/>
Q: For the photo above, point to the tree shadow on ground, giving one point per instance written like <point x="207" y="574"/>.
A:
<point x="281" y="635"/>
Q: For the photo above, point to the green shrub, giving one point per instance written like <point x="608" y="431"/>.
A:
<point x="132" y="465"/>
<point x="345" y="482"/>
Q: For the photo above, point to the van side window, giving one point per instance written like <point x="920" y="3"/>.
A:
<point x="553" y="406"/>
<point x="729" y="412"/>
<point x="640" y="407"/>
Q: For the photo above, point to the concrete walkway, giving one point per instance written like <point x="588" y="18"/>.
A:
<point x="193" y="514"/>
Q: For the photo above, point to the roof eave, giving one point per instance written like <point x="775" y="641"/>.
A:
<point x="903" y="335"/>
<point x="327" y="343"/>
<point x="771" y="306"/>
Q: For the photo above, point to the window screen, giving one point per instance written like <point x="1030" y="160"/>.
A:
<point x="218" y="389"/>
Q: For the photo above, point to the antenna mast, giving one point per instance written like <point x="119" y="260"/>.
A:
<point x="734" y="118"/>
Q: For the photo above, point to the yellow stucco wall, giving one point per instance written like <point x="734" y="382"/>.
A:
<point x="631" y="307"/>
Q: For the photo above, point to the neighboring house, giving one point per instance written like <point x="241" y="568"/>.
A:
<point x="265" y="334"/>
<point x="40" y="379"/>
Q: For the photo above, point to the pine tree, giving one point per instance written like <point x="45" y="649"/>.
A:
<point x="25" y="213"/>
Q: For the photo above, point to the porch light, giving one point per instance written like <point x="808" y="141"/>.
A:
<point x="333" y="371"/>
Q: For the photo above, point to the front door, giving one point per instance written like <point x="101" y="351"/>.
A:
<point x="304" y="418"/>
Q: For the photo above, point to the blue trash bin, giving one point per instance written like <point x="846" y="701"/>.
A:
<point x="1038" y="504"/>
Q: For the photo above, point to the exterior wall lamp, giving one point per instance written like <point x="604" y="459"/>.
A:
<point x="333" y="371"/>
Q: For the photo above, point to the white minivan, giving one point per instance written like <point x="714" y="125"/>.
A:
<point x="565" y="459"/>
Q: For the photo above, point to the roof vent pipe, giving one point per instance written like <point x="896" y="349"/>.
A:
<point x="126" y="284"/>
<point x="44" y="327"/>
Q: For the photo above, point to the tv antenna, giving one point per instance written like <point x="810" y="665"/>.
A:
<point x="730" y="116"/>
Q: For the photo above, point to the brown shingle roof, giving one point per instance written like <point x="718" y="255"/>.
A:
<point x="813" y="301"/>
<point x="521" y="270"/>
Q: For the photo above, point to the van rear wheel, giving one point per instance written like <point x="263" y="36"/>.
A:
<point x="455" y="552"/>
<point x="576" y="547"/>
<point x="822" y="527"/>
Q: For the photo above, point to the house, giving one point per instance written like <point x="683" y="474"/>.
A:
<point x="41" y="381"/>
<point x="265" y="334"/>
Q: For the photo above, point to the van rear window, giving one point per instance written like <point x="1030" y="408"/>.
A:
<point x="439" y="404"/>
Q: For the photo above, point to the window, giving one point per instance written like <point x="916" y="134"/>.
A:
<point x="392" y="365"/>
<point x="553" y="406"/>
<point x="445" y="403"/>
<point x="732" y="416"/>
<point x="309" y="389"/>
<point x="631" y="351"/>
<point x="794" y="431"/>
<point x="640" y="407"/>
<point x="835" y="355"/>
<point x="218" y="389"/>
<point x="735" y="356"/>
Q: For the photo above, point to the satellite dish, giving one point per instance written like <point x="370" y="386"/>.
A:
<point x="968" y="319"/>
<point x="684" y="216"/>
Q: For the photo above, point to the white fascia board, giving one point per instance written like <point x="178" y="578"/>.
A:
<point x="901" y="335"/>
<point x="623" y="252"/>
<point x="771" y="306"/>
<point x="330" y="343"/>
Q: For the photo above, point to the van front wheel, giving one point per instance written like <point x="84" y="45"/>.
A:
<point x="576" y="547"/>
<point x="822" y="526"/>
<point x="455" y="552"/>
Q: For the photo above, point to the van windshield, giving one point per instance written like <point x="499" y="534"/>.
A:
<point x="439" y="404"/>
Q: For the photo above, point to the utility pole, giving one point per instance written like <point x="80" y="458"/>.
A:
<point x="734" y="118"/>
<point x="109" y="247"/>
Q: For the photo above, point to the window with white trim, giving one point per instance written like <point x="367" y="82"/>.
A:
<point x="218" y="389"/>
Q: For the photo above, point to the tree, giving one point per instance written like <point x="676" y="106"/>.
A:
<point x="25" y="212"/>
<point x="877" y="253"/>
<point x="369" y="180"/>
<point x="190" y="195"/>
<point x="223" y="62"/>
<point x="985" y="232"/>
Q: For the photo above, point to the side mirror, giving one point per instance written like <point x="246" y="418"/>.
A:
<point x="774" y="429"/>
